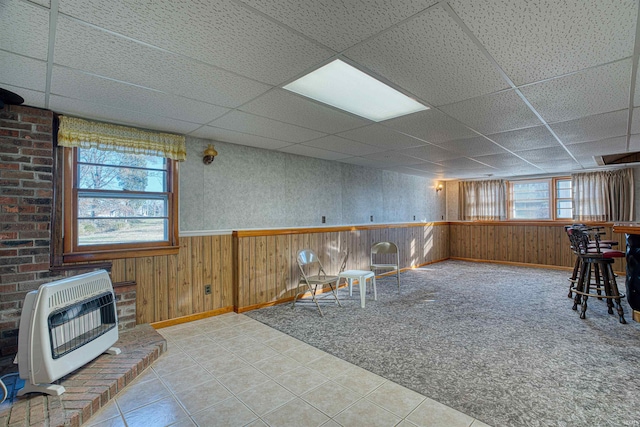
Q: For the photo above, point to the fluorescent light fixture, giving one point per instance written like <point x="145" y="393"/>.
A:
<point x="347" y="88"/>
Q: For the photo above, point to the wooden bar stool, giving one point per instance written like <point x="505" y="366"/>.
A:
<point x="593" y="246"/>
<point x="596" y="262"/>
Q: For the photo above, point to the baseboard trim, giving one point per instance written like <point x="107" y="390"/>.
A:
<point x="191" y="317"/>
<point x="524" y="264"/>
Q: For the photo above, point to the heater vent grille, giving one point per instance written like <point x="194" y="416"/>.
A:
<point x="80" y="292"/>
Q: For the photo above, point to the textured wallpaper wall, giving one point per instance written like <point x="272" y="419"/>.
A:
<point x="248" y="187"/>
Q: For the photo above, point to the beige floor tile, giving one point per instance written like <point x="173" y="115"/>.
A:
<point x="223" y="334"/>
<point x="243" y="379"/>
<point x="277" y="365"/>
<point x="296" y="413"/>
<point x="265" y="397"/>
<point x="237" y="343"/>
<point x="283" y="343"/>
<point x="187" y="378"/>
<point x="187" y="422"/>
<point x="161" y="413"/>
<point x="360" y="380"/>
<point x="257" y="423"/>
<point x="330" y="366"/>
<point x="395" y="398"/>
<point x="207" y="352"/>
<point x="365" y="413"/>
<point x="304" y="353"/>
<point x="406" y="423"/>
<point x="170" y="363"/>
<point x="202" y="396"/>
<point x="264" y="333"/>
<point x="330" y="423"/>
<point x="331" y="398"/>
<point x="478" y="423"/>
<point x="433" y="414"/>
<point x="223" y="365"/>
<point x="136" y="395"/>
<point x="255" y="353"/>
<point x="230" y="412"/>
<point x="146" y="375"/>
<point x="301" y="380"/>
<point x="192" y="342"/>
<point x="110" y="410"/>
<point x="111" y="422"/>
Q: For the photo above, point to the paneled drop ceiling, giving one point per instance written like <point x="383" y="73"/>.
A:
<point x="515" y="87"/>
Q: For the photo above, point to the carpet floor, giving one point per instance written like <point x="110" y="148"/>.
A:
<point x="499" y="343"/>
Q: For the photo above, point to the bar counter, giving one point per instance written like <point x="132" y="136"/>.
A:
<point x="632" y="233"/>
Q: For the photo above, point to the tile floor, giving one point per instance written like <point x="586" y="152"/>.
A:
<point x="231" y="370"/>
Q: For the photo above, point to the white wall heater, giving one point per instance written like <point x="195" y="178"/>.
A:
<point x="64" y="325"/>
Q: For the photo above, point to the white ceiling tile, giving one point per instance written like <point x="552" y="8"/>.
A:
<point x="596" y="148"/>
<point x="31" y="98"/>
<point x="493" y="113"/>
<point x="431" y="57"/>
<point x="20" y="71"/>
<point x="515" y="171"/>
<point x="503" y="161"/>
<point x="525" y="139"/>
<point x="381" y="136"/>
<point x="342" y="145"/>
<point x="303" y="150"/>
<point x="634" y="143"/>
<point x="76" y="84"/>
<point x="24" y="29"/>
<point x="635" y="121"/>
<point x="393" y="158"/>
<point x="361" y="161"/>
<point x="128" y="61"/>
<point x="45" y="3"/>
<point x="336" y="23"/>
<point x="221" y="32"/>
<point x="104" y="113"/>
<point x="429" y="167"/>
<point x="431" y="153"/>
<point x="463" y="163"/>
<point x="224" y="135"/>
<point x="471" y="147"/>
<point x="559" y="166"/>
<point x="256" y="125"/>
<point x="536" y="40"/>
<point x="545" y="154"/>
<point x="287" y="107"/>
<point x="597" y="90"/>
<point x="588" y="162"/>
<point x="410" y="171"/>
<point x="592" y="128"/>
<point x="430" y="125"/>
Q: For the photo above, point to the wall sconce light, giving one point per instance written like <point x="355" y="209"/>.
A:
<point x="209" y="154"/>
<point x="439" y="187"/>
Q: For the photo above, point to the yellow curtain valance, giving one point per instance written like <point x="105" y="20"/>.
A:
<point x="76" y="132"/>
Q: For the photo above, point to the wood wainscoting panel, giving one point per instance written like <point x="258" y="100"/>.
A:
<point x="537" y="243"/>
<point x="267" y="271"/>
<point x="173" y="286"/>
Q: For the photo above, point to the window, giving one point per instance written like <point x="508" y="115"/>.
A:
<point x="564" y="199"/>
<point x="541" y="199"/>
<point x="118" y="203"/>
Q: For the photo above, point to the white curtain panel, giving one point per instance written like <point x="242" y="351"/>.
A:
<point x="603" y="195"/>
<point x="483" y="200"/>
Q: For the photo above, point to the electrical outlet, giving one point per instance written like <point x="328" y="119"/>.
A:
<point x="414" y="217"/>
<point x="207" y="289"/>
<point x="371" y="218"/>
<point x="324" y="219"/>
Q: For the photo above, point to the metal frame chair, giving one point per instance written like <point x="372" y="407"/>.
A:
<point x="385" y="248"/>
<point x="308" y="262"/>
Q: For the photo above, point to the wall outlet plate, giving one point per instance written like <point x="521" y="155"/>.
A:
<point x="207" y="289"/>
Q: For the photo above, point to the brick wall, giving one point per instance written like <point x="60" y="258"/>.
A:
<point x="26" y="158"/>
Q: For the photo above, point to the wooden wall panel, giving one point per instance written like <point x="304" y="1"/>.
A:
<point x="529" y="243"/>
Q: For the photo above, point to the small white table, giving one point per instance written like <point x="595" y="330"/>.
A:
<point x="361" y="276"/>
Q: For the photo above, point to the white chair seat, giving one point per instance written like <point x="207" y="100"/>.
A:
<point x="383" y="251"/>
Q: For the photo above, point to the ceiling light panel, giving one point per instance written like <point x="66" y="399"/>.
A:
<point x="432" y="57"/>
<point x="345" y="87"/>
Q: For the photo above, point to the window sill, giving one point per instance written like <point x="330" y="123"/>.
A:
<point x="119" y="253"/>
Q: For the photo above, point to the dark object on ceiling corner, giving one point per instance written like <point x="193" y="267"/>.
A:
<point x="9" y="98"/>
<point x="618" y="159"/>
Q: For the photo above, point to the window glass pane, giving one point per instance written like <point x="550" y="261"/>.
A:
<point x="120" y="159"/>
<point x="120" y="207"/>
<point x="118" y="178"/>
<point x="564" y="213"/>
<point x="118" y="230"/>
<point x="564" y="193"/>
<point x="564" y="183"/>
<point x="530" y="200"/>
